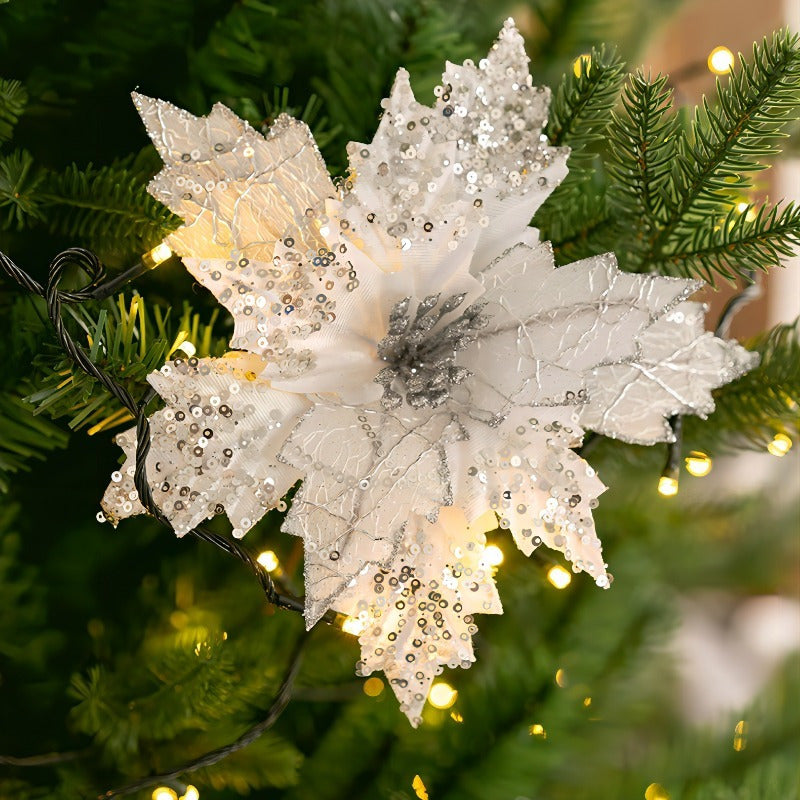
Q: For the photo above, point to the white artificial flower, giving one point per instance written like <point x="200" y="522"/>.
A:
<point x="408" y="348"/>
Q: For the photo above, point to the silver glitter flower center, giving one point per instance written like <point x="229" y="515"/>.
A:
<point x="420" y="357"/>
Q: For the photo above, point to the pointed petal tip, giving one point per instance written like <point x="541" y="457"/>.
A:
<point x="402" y="85"/>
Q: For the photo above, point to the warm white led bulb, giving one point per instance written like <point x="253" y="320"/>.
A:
<point x="720" y="60"/>
<point x="354" y="626"/>
<point x="158" y="255"/>
<point x="667" y="486"/>
<point x="268" y="560"/>
<point x="780" y="445"/>
<point x="493" y="555"/>
<point x="698" y="464"/>
<point x="559" y="577"/>
<point x="442" y="695"/>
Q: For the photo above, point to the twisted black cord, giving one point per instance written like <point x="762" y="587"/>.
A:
<point x="97" y="289"/>
<point x="279" y="703"/>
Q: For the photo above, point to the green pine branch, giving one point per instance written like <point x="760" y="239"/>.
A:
<point x="727" y="142"/>
<point x="20" y="180"/>
<point x="24" y="437"/>
<point x="581" y="105"/>
<point x="747" y="239"/>
<point x="129" y="341"/>
<point x="13" y="100"/>
<point x="107" y="209"/>
<point x="642" y="140"/>
<point x="579" y="116"/>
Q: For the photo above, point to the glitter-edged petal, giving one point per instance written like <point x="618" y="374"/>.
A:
<point x="237" y="190"/>
<point x="677" y="366"/>
<point x="213" y="447"/>
<point x="367" y="472"/>
<point x="416" y="613"/>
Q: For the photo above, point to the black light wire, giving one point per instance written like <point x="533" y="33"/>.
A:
<point x="98" y="289"/>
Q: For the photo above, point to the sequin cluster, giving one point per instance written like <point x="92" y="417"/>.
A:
<point x="480" y="143"/>
<point x="418" y="618"/>
<point x="207" y="455"/>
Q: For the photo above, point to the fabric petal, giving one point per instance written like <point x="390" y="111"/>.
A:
<point x="416" y="614"/>
<point x="367" y="472"/>
<point x="213" y="447"/>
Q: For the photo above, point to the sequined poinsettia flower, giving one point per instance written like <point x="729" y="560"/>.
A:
<point x="406" y="346"/>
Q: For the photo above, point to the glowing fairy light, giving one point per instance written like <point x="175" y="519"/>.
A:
<point x="720" y="60"/>
<point x="667" y="486"/>
<point x="268" y="560"/>
<point x="581" y="64"/>
<point x="158" y="255"/>
<point x="780" y="445"/>
<point x="493" y="555"/>
<point x="354" y="626"/>
<point x="537" y="730"/>
<point x="559" y="577"/>
<point x="698" y="464"/>
<point x="442" y="695"/>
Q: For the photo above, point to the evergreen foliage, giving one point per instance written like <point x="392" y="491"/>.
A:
<point x="130" y="653"/>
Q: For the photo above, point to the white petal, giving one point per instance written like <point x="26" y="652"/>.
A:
<point x="416" y="612"/>
<point x="677" y="367"/>
<point x="367" y="472"/>
<point x="213" y="447"/>
<point x="237" y="191"/>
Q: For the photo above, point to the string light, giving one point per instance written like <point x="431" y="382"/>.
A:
<point x="579" y="62"/>
<point x="720" y="60"/>
<point x="780" y="445"/>
<point x="419" y="788"/>
<point x="456" y="717"/>
<point x="158" y="255"/>
<point x="559" y="577"/>
<point x="188" y="348"/>
<point x="442" y="695"/>
<point x="268" y="560"/>
<point x="164" y="793"/>
<point x="354" y="625"/>
<point x="179" y="342"/>
<point x="537" y="730"/>
<point x="587" y="701"/>
<point x="740" y="736"/>
<point x="373" y="687"/>
<point x="191" y="793"/>
<point x="667" y="486"/>
<point x="493" y="556"/>
<point x="698" y="464"/>
<point x="561" y="678"/>
<point x="655" y="791"/>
